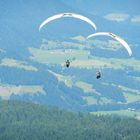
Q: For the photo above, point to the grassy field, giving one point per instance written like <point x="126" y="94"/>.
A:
<point x="17" y="64"/>
<point x="87" y="88"/>
<point x="128" y="113"/>
<point x="90" y="100"/>
<point x="130" y="98"/>
<point x="62" y="78"/>
<point x="136" y="78"/>
<point x="57" y="56"/>
<point x="104" y="100"/>
<point x="7" y="90"/>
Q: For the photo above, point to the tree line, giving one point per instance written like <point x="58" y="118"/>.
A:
<point x="28" y="121"/>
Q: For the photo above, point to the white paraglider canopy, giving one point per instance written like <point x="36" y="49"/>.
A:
<point x="67" y="15"/>
<point x="124" y="43"/>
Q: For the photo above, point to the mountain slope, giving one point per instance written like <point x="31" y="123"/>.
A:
<point x="32" y="63"/>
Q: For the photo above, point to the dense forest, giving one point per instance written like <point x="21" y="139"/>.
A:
<point x="27" y="121"/>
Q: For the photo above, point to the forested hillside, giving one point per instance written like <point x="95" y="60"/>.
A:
<point x="27" y="121"/>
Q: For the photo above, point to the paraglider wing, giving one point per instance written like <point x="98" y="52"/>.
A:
<point x="98" y="34"/>
<point x="122" y="42"/>
<point x="85" y="19"/>
<point x="67" y="15"/>
<point x="49" y="19"/>
<point x="127" y="47"/>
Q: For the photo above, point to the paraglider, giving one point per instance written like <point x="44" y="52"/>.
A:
<point x="62" y="15"/>
<point x="98" y="75"/>
<point x="67" y="63"/>
<point x="127" y="47"/>
<point x="117" y="38"/>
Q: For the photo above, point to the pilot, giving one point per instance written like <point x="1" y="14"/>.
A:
<point x="98" y="74"/>
<point x="67" y="63"/>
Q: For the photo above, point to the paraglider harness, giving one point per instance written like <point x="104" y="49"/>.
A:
<point x="67" y="63"/>
<point x="98" y="74"/>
